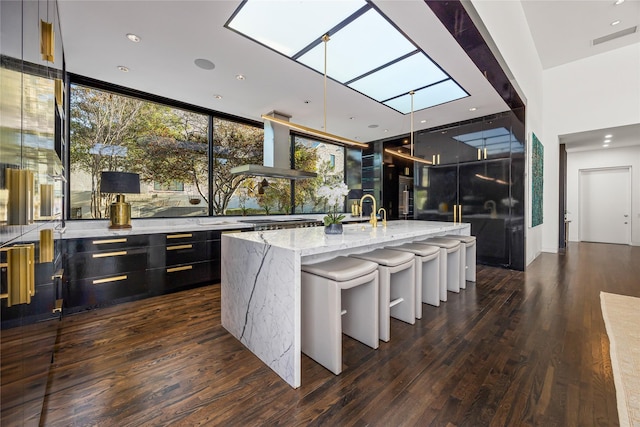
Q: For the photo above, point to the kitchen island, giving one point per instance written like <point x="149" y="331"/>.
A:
<point x="260" y="286"/>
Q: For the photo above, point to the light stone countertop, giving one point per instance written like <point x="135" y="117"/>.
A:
<point x="313" y="241"/>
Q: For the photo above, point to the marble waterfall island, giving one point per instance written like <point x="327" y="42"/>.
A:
<point x="260" y="287"/>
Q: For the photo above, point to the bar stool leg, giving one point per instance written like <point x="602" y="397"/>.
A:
<point x="321" y="331"/>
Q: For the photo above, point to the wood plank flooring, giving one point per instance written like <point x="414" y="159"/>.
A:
<point x="516" y="349"/>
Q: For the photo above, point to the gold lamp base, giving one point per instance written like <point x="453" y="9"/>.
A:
<point x="120" y="214"/>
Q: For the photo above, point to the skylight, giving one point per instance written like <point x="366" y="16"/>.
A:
<point x="366" y="52"/>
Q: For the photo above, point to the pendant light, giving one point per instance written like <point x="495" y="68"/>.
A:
<point x="410" y="156"/>
<point x="321" y="134"/>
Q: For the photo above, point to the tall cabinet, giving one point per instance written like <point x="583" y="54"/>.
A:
<point x="477" y="177"/>
<point x="31" y="203"/>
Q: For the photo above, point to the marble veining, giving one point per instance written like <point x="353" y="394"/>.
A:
<point x="260" y="288"/>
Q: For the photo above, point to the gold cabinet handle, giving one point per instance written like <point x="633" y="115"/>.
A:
<point x="109" y="254"/>
<point x="485" y="153"/>
<point x="20" y="274"/>
<point x="110" y="279"/>
<point x="179" y="236"/>
<point x="479" y="153"/>
<point x="58" y="274"/>
<point x="177" y="247"/>
<point x="460" y="213"/>
<point x="183" y="268"/>
<point x="455" y="213"/>
<point x="46" y="245"/>
<point x="104" y="242"/>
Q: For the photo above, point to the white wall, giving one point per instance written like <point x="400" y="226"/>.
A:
<point x="599" y="92"/>
<point x="508" y="27"/>
<point x="612" y="157"/>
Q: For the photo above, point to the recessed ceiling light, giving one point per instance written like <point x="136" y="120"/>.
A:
<point x="386" y="130"/>
<point x="123" y="68"/>
<point x="205" y="64"/>
<point x="217" y="96"/>
<point x="618" y="2"/>
<point x="423" y="121"/>
<point x="133" y="38"/>
<point x="239" y="77"/>
<point x="406" y="141"/>
<point x="608" y="136"/>
<point x="372" y="126"/>
<point x="605" y="145"/>
<point x="614" y="23"/>
<point x="606" y="141"/>
<point x="472" y="109"/>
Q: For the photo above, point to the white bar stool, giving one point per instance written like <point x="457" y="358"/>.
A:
<point x="468" y="255"/>
<point x="397" y="287"/>
<point x="449" y="264"/>
<point x="427" y="265"/>
<point x="339" y="295"/>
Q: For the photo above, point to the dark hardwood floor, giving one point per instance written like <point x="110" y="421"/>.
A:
<point x="514" y="349"/>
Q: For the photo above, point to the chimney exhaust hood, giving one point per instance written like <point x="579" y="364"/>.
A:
<point x="277" y="151"/>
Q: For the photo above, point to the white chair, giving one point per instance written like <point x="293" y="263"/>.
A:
<point x="397" y="287"/>
<point x="338" y="296"/>
<point x="427" y="266"/>
<point x="449" y="264"/>
<point x="467" y="256"/>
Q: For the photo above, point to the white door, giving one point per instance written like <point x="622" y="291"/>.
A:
<point x="605" y="205"/>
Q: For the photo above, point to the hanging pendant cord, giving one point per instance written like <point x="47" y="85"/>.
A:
<point x="411" y="93"/>
<point x="325" y="39"/>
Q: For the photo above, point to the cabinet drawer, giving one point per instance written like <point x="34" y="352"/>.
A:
<point x="105" y="290"/>
<point x="102" y="263"/>
<point x="110" y="243"/>
<point x="191" y="274"/>
<point x="186" y="253"/>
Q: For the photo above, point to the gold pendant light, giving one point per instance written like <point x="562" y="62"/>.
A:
<point x="399" y="153"/>
<point x="315" y="132"/>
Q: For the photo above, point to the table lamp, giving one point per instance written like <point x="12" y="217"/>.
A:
<point x="119" y="183"/>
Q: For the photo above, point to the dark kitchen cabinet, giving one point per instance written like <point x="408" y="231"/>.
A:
<point x="105" y="271"/>
<point x="484" y="186"/>
<point x="184" y="260"/>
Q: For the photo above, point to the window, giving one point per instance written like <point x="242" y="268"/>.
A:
<point x="167" y="146"/>
<point x="325" y="159"/>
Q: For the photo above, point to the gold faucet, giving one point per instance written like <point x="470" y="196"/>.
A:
<point x="373" y="220"/>
<point x="384" y="216"/>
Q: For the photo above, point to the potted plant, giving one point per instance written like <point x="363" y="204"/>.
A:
<point x="334" y="196"/>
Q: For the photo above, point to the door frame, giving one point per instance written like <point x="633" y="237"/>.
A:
<point x="629" y="171"/>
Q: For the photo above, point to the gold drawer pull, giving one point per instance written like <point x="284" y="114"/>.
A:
<point x="58" y="307"/>
<point x="102" y="242"/>
<point x="109" y="254"/>
<point x="110" y="279"/>
<point x="176" y="247"/>
<point x="179" y="236"/>
<point x="183" y="268"/>
<point x="231" y="231"/>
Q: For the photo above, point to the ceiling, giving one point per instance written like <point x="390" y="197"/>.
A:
<point x="175" y="33"/>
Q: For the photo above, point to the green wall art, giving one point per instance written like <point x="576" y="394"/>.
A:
<point x="537" y="179"/>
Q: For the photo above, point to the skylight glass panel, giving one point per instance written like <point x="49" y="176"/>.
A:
<point x="402" y="77"/>
<point x="367" y="43"/>
<point x="290" y="26"/>
<point x="428" y="97"/>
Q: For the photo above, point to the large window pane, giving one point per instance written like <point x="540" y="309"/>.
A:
<point x="236" y="144"/>
<point x="167" y="146"/>
<point x="327" y="160"/>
